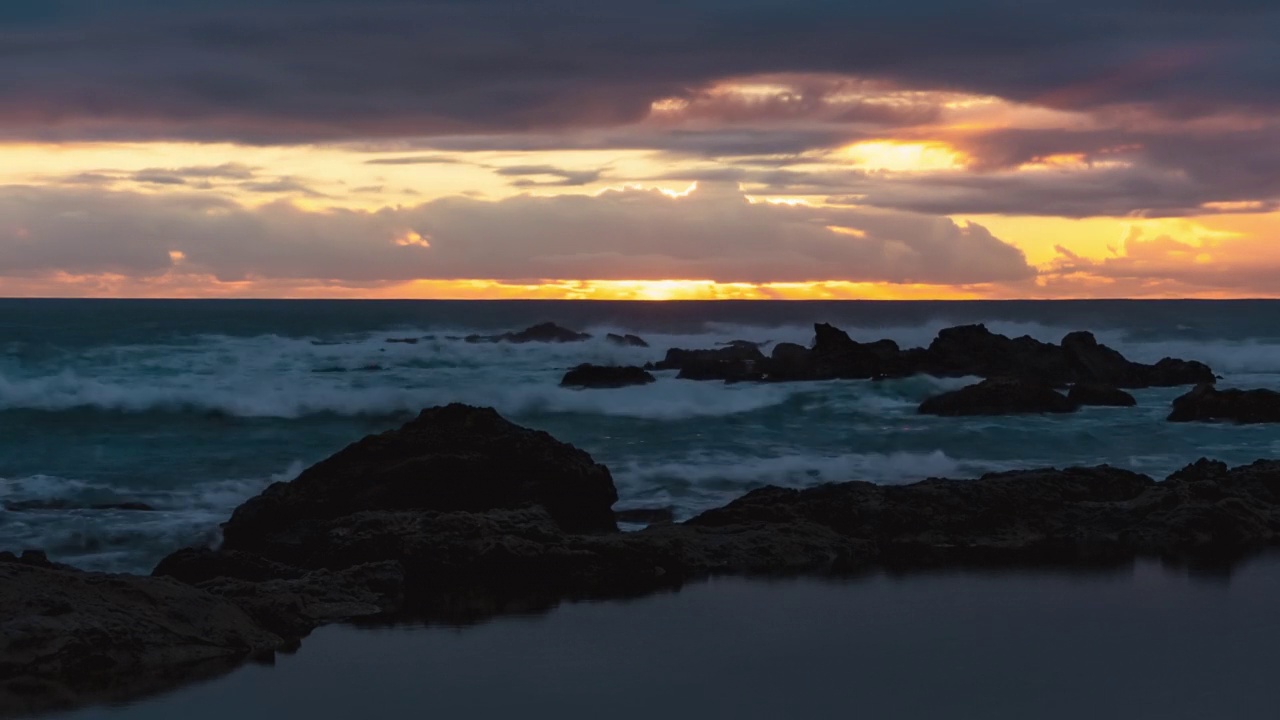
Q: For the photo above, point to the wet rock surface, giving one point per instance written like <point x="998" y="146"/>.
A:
<point x="1206" y="403"/>
<point x="606" y="376"/>
<point x="627" y="340"/>
<point x="999" y="396"/>
<point x="69" y="637"/>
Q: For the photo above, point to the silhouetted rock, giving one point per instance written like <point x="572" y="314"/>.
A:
<point x="1087" y="393"/>
<point x="627" y="340"/>
<point x="646" y="516"/>
<point x="735" y="362"/>
<point x="605" y="376"/>
<point x="452" y="458"/>
<point x="1207" y="403"/>
<point x="72" y="637"/>
<point x="544" y="332"/>
<point x="999" y="396"/>
<point x="403" y="341"/>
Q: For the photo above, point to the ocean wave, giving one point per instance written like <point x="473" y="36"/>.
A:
<point x="74" y="531"/>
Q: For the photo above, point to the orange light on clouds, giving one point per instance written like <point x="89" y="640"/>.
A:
<point x="900" y="156"/>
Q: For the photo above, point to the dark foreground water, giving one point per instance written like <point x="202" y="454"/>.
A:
<point x="1144" y="642"/>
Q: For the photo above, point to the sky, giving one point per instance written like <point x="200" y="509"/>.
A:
<point x="808" y="149"/>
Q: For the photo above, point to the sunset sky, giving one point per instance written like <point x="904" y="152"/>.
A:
<point x="697" y="149"/>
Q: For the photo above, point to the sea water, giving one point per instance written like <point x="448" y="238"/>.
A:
<point x="191" y="407"/>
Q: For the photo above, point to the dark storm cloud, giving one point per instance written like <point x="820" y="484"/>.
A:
<point x="294" y="70"/>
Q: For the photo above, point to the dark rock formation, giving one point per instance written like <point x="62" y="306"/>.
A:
<point x="999" y="396"/>
<point x="72" y="637"/>
<point x="627" y="340"/>
<point x="955" y="352"/>
<point x="403" y="341"/>
<point x="646" y="516"/>
<point x="448" y="459"/>
<point x="461" y="515"/>
<point x="735" y="362"/>
<point x="1099" y="394"/>
<point x="1207" y="403"/>
<point x="544" y="332"/>
<point x="605" y="376"/>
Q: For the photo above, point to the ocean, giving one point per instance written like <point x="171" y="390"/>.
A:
<point x="193" y="406"/>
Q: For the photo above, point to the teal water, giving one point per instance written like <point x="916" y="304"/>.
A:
<point x="193" y="406"/>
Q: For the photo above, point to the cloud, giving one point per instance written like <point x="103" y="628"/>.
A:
<point x="299" y="71"/>
<point x="712" y="233"/>
<point x="560" y="177"/>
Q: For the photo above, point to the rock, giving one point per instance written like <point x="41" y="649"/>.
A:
<point x="790" y="361"/>
<point x="1171" y="372"/>
<point x="602" y="376"/>
<point x="403" y="341"/>
<point x="836" y="355"/>
<point x="646" y="516"/>
<point x="627" y="340"/>
<point x="72" y="637"/>
<point x="1099" y="394"/>
<point x="735" y="362"/>
<point x="1207" y="403"/>
<point x="975" y="350"/>
<point x="453" y="458"/>
<point x="999" y="396"/>
<point x="544" y="332"/>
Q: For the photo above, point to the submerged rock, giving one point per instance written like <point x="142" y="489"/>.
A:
<point x="627" y="340"/>
<point x="999" y="396"/>
<point x="544" y="332"/>
<point x="605" y="376"/>
<point x="1207" y="403"/>
<point x="1101" y="395"/>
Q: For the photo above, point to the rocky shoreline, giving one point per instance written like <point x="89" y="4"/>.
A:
<point x="462" y="515"/>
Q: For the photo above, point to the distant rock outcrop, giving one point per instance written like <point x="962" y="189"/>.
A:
<point x="627" y="340"/>
<point x="999" y="396"/>
<point x="956" y="352"/>
<point x="1207" y="403"/>
<point x="606" y="376"/>
<point x="544" y="332"/>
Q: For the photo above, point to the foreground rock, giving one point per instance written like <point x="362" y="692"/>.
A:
<point x="1207" y="403"/>
<point x="999" y="396"/>
<point x="606" y="376"/>
<point x="956" y="352"/>
<point x="70" y="637"/>
<point x="461" y="515"/>
<point x="544" y="332"/>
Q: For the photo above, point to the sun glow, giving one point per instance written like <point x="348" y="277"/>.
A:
<point x="896" y="156"/>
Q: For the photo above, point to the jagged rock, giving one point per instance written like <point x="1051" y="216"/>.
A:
<point x="627" y="340"/>
<point x="72" y="637"/>
<point x="1099" y="394"/>
<point x="999" y="396"/>
<point x="790" y="361"/>
<point x="738" y="361"/>
<point x="545" y="332"/>
<point x="1207" y="403"/>
<point x="605" y="376"/>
